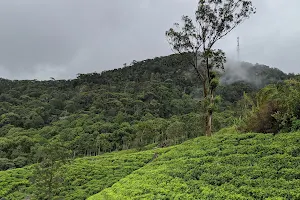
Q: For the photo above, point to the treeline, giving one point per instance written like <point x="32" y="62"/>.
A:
<point x="155" y="101"/>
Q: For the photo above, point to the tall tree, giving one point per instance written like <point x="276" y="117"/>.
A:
<point x="48" y="173"/>
<point x="195" y="42"/>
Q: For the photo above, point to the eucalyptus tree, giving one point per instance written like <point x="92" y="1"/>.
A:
<point x="195" y="41"/>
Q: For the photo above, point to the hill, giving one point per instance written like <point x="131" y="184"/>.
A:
<point x="114" y="110"/>
<point x="227" y="166"/>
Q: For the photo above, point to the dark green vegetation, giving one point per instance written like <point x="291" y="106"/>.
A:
<point x="274" y="109"/>
<point x="153" y="102"/>
<point x="114" y="110"/>
<point x="82" y="178"/>
<point x="226" y="166"/>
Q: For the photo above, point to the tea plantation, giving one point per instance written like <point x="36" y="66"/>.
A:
<point x="227" y="166"/>
<point x="85" y="176"/>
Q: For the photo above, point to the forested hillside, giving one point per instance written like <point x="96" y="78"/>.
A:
<point x="148" y="102"/>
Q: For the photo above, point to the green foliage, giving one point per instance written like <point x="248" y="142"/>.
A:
<point x="81" y="178"/>
<point x="295" y="125"/>
<point x="276" y="109"/>
<point x="98" y="113"/>
<point x="14" y="182"/>
<point x="5" y="164"/>
<point x="226" y="166"/>
<point x="195" y="41"/>
<point x="48" y="174"/>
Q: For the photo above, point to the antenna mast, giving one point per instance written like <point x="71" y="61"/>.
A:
<point x="238" y="49"/>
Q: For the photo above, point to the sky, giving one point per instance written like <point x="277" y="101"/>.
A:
<point x="40" y="39"/>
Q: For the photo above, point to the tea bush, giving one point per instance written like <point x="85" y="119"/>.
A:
<point x="227" y="166"/>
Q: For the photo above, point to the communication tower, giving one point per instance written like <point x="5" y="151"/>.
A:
<point x="238" y="49"/>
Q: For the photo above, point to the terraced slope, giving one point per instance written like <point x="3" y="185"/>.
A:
<point x="227" y="166"/>
<point x="85" y="176"/>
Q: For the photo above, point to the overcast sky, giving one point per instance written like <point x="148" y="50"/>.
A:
<point x="40" y="39"/>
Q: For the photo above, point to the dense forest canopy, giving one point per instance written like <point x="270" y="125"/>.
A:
<point x="148" y="102"/>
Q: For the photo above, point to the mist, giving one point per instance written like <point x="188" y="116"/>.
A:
<point x="237" y="71"/>
<point x="254" y="74"/>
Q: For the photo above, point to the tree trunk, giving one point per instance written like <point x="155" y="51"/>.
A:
<point x="208" y="124"/>
<point x="209" y="116"/>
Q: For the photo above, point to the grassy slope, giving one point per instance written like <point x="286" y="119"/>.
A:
<point x="85" y="176"/>
<point x="227" y="166"/>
